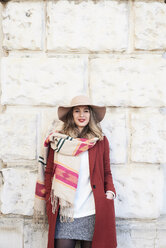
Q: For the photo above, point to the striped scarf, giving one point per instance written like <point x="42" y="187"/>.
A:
<point x="65" y="173"/>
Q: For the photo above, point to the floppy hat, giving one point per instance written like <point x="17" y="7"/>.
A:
<point x="79" y="101"/>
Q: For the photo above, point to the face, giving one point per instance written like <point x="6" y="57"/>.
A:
<point x="81" y="116"/>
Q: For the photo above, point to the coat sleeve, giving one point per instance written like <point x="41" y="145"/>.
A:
<point x="108" y="181"/>
<point x="48" y="177"/>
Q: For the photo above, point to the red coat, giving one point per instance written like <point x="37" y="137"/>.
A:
<point x="101" y="181"/>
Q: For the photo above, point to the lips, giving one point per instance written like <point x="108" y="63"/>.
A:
<point x="81" y="120"/>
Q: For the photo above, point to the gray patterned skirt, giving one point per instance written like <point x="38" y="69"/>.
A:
<point x="80" y="229"/>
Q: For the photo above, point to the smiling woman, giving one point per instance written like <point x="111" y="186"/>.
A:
<point x="81" y="116"/>
<point x="91" y="128"/>
<point x="78" y="181"/>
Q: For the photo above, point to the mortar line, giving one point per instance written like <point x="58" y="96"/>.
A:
<point x="35" y="54"/>
<point x="19" y="106"/>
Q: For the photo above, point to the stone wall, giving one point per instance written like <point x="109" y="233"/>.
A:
<point x="111" y="50"/>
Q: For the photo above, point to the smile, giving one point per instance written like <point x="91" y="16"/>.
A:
<point x="81" y="120"/>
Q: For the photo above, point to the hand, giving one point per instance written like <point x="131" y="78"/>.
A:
<point x="109" y="195"/>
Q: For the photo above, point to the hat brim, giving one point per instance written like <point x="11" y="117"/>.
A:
<point x="98" y="110"/>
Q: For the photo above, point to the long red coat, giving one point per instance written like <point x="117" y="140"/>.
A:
<point x="101" y="181"/>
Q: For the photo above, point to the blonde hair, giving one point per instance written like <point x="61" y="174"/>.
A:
<point x="91" y="130"/>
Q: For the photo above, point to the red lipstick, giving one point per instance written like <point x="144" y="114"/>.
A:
<point x="81" y="120"/>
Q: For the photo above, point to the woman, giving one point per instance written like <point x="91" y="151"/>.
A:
<point x="78" y="181"/>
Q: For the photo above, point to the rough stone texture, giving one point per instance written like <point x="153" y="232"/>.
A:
<point x="18" y="135"/>
<point x="87" y="26"/>
<point x="35" y="235"/>
<point x="161" y="233"/>
<point x="1" y="34"/>
<point x="11" y="231"/>
<point x="150" y="23"/>
<point x="23" y="25"/>
<point x="18" y="191"/>
<point x="148" y="139"/>
<point x="129" y="81"/>
<point x="123" y="237"/>
<point x="139" y="191"/>
<point x="48" y="119"/>
<point x="145" y="234"/>
<point x="163" y="211"/>
<point x="42" y="81"/>
<point x="1" y="183"/>
<point x="114" y="127"/>
<point x="132" y="234"/>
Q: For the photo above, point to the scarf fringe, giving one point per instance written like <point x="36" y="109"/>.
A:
<point x="54" y="201"/>
<point x="66" y="214"/>
<point x="66" y="208"/>
<point x="66" y="219"/>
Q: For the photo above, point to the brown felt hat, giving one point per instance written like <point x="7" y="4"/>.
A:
<point x="80" y="101"/>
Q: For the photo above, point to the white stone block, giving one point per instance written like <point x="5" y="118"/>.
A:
<point x="48" y="121"/>
<point x="161" y="240"/>
<point x="87" y="25"/>
<point x="18" y="191"/>
<point x="148" y="140"/>
<point x="163" y="211"/>
<point x="129" y="81"/>
<point x="124" y="238"/>
<point x="150" y="23"/>
<point x="1" y="183"/>
<point x="114" y="127"/>
<point x="139" y="191"/>
<point x="1" y="34"/>
<point x="18" y="135"/>
<point x="136" y="234"/>
<point x="141" y="233"/>
<point x="41" y="81"/>
<point x="161" y="232"/>
<point x="35" y="235"/>
<point x="48" y="116"/>
<point x="11" y="233"/>
<point x="23" y="25"/>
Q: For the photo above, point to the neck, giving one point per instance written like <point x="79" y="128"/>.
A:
<point x="80" y="129"/>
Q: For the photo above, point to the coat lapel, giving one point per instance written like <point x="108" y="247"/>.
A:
<point x="92" y="158"/>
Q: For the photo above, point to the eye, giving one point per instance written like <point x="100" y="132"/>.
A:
<point x="76" y="110"/>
